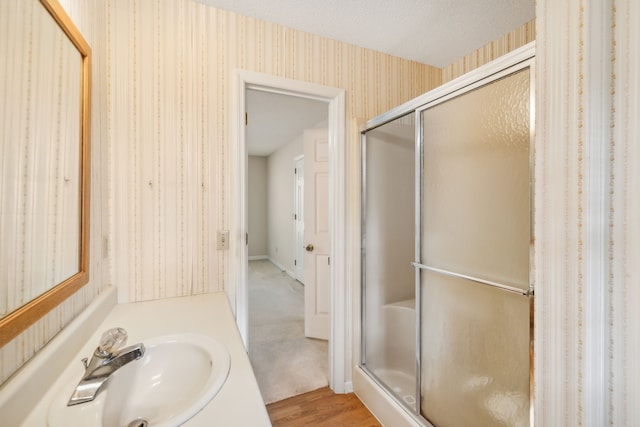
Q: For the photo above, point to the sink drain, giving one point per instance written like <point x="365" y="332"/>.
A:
<point x="139" y="422"/>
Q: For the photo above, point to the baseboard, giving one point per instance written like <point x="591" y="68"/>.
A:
<point x="342" y="388"/>
<point x="282" y="268"/>
<point x="258" y="257"/>
<point x="348" y="387"/>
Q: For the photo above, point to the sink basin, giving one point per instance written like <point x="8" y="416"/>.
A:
<point x="177" y="376"/>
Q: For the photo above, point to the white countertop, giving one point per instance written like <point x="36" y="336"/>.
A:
<point x="238" y="403"/>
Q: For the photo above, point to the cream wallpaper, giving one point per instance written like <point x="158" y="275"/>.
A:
<point x="587" y="332"/>
<point x="15" y="353"/>
<point x="623" y="161"/>
<point x="170" y="67"/>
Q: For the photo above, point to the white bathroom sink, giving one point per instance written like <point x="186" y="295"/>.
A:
<point x="177" y="376"/>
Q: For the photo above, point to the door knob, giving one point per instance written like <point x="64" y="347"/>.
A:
<point x="309" y="247"/>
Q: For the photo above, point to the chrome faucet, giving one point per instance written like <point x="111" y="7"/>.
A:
<point x="107" y="358"/>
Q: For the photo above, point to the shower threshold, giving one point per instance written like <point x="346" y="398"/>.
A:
<point x="400" y="383"/>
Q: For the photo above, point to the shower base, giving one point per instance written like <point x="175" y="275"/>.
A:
<point x="402" y="384"/>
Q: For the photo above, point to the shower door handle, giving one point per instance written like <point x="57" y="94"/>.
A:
<point x="309" y="247"/>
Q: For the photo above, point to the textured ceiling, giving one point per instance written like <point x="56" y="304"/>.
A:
<point x="434" y="32"/>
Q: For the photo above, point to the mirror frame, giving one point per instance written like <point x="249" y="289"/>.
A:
<point x="20" y="319"/>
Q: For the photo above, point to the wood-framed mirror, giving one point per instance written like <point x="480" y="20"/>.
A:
<point x="45" y="69"/>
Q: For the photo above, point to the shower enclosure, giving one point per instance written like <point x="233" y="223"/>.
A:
<point x="447" y="294"/>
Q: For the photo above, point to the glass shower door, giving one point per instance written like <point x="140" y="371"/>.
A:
<point x="474" y="256"/>
<point x="388" y="278"/>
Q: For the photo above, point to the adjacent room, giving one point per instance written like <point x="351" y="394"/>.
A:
<point x="286" y="361"/>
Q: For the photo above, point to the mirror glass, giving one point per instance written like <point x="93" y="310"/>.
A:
<point x="44" y="67"/>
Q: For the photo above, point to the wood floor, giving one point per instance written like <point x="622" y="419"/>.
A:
<point x="321" y="408"/>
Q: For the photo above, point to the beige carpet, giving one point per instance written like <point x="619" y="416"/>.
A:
<point x="284" y="361"/>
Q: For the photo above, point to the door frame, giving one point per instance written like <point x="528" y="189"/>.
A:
<point x="236" y="289"/>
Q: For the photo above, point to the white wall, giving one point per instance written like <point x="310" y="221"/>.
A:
<point x="390" y="232"/>
<point x="280" y="203"/>
<point x="257" y="195"/>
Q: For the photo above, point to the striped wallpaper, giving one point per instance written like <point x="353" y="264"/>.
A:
<point x="623" y="248"/>
<point x="587" y="332"/>
<point x="170" y="66"/>
<point x="621" y="369"/>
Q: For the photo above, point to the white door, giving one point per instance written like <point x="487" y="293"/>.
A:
<point x="298" y="218"/>
<point x="316" y="237"/>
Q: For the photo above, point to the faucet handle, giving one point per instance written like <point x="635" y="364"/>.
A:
<point x="111" y="341"/>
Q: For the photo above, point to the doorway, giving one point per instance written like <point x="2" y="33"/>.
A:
<point x="237" y="292"/>
<point x="287" y="349"/>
